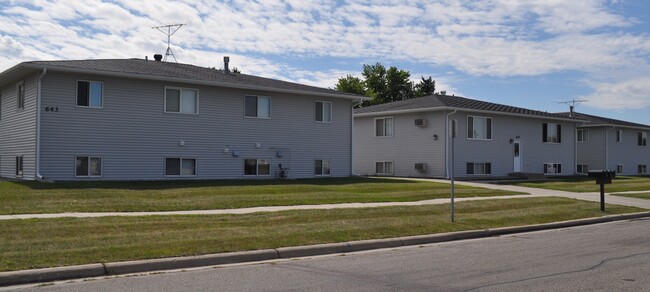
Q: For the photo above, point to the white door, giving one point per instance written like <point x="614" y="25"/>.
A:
<point x="517" y="155"/>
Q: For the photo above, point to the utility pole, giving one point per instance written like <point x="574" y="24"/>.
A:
<point x="169" y="34"/>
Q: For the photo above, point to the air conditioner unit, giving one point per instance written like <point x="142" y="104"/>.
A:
<point x="421" y="167"/>
<point x="421" y="122"/>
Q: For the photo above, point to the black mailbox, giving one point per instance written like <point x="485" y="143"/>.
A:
<point x="602" y="176"/>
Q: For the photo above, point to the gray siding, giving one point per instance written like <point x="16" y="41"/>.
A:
<point x="411" y="144"/>
<point x="603" y="152"/>
<point x="133" y="135"/>
<point x="18" y="130"/>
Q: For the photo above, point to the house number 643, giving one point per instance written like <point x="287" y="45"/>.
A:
<point x="52" y="109"/>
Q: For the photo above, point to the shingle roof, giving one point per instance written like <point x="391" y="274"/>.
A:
<point x="593" y="121"/>
<point x="147" y="68"/>
<point x="456" y="102"/>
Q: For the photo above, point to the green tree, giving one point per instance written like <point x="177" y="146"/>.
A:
<point x="385" y="85"/>
<point x="425" y="87"/>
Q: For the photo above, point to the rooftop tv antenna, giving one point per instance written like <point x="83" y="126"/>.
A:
<point x="171" y="29"/>
<point x="572" y="104"/>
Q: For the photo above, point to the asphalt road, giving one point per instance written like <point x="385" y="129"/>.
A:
<point x="604" y="257"/>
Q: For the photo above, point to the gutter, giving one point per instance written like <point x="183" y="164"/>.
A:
<point x="447" y="142"/>
<point x="38" y="125"/>
<point x="198" y="82"/>
<point x="446" y="108"/>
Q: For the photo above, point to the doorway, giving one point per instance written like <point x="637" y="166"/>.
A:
<point x="517" y="155"/>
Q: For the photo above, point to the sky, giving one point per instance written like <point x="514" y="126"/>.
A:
<point x="528" y="53"/>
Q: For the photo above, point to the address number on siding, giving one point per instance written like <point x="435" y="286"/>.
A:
<point x="52" y="109"/>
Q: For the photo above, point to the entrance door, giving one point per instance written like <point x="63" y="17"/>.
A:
<point x="517" y="155"/>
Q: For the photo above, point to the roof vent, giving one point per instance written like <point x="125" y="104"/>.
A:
<point x="157" y="57"/>
<point x="226" y="60"/>
<point x="443" y="92"/>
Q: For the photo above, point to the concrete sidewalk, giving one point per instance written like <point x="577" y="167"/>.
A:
<point x="533" y="192"/>
<point x="255" y="209"/>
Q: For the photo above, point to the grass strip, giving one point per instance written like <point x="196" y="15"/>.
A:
<point x="588" y="184"/>
<point x="36" y="197"/>
<point x="39" y="243"/>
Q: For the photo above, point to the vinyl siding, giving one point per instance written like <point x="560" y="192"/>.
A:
<point x="18" y="130"/>
<point x="412" y="144"/>
<point x="603" y="152"/>
<point x="133" y="134"/>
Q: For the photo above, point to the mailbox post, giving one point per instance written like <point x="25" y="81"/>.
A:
<point x="602" y="177"/>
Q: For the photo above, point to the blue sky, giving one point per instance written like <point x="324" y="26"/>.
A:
<point x="531" y="54"/>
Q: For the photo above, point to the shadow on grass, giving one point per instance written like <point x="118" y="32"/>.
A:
<point x="176" y="184"/>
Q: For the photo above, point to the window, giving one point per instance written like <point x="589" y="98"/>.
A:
<point x="552" y="168"/>
<point x="322" y="167"/>
<point x="583" y="135"/>
<point x="642" y="169"/>
<point x="552" y="133"/>
<point x="384" y="127"/>
<point x="643" y="139"/>
<point x="88" y="166"/>
<point x="181" y="100"/>
<point x="583" y="168"/>
<point x="619" y="169"/>
<point x="619" y="136"/>
<point x="19" y="165"/>
<point x="257" y="167"/>
<point x="180" y="166"/>
<point x="384" y="167"/>
<point x="20" y="95"/>
<point x="89" y="94"/>
<point x="479" y="168"/>
<point x="257" y="107"/>
<point x="323" y="112"/>
<point x="479" y="128"/>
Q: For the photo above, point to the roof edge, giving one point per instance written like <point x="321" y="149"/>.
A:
<point x="182" y="80"/>
<point x="442" y="108"/>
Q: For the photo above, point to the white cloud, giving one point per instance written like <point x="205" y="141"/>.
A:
<point x="628" y="94"/>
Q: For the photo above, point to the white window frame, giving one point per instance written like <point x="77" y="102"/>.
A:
<point x="486" y="129"/>
<point x="101" y="169"/>
<point x="322" y="167"/>
<point x="392" y="168"/>
<point x="326" y="120"/>
<point x="619" y="168"/>
<point x="20" y="165"/>
<point x="257" y="167"/>
<point x="584" y="134"/>
<point x="582" y="168"/>
<point x="546" y="134"/>
<point x="642" y="169"/>
<point x="554" y="165"/>
<point x="392" y="124"/>
<point x="196" y="166"/>
<point x="90" y="82"/>
<point x="257" y="113"/>
<point x="180" y="100"/>
<point x="474" y="164"/>
<point x="619" y="136"/>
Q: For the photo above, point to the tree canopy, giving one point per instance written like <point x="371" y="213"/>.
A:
<point x="385" y="85"/>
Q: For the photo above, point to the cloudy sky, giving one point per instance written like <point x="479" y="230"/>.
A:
<point x="528" y="53"/>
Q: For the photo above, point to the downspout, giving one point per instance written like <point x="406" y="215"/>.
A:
<point x="447" y="142"/>
<point x="37" y="161"/>
<point x="352" y="140"/>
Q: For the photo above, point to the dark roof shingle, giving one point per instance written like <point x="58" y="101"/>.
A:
<point x="603" y="121"/>
<point x="148" y="68"/>
<point x="456" y="102"/>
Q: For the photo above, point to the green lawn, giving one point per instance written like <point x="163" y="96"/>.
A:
<point x="38" y="243"/>
<point x="587" y="184"/>
<point x="37" y="197"/>
<point x="645" y="196"/>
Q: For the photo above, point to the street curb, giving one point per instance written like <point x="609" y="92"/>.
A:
<point x="130" y="267"/>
